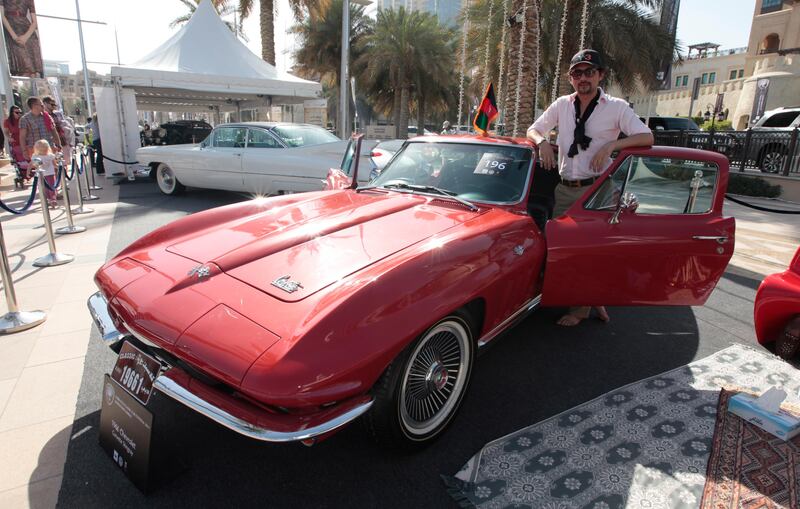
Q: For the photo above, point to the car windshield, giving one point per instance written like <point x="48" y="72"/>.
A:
<point x="302" y="135"/>
<point x="471" y="171"/>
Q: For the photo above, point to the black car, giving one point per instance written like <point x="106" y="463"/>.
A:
<point x="177" y="132"/>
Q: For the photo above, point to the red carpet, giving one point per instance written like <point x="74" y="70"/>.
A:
<point x="748" y="467"/>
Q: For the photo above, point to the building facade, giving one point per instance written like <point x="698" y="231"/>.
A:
<point x="771" y="60"/>
<point x="446" y="11"/>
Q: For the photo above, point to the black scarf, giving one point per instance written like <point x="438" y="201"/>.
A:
<point x="580" y="139"/>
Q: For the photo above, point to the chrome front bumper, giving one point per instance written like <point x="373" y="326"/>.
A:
<point x="234" y="413"/>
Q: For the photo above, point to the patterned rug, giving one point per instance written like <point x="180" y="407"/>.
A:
<point x="645" y="445"/>
<point x="748" y="467"/>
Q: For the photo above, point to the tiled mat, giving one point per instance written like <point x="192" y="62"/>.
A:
<point x="644" y="445"/>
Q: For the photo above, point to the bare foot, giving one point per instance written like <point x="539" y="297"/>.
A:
<point x="569" y="320"/>
<point x="602" y="314"/>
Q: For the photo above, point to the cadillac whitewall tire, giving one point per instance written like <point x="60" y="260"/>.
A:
<point x="420" y="393"/>
<point x="167" y="181"/>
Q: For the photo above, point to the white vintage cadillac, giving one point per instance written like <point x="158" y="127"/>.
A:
<point x="263" y="158"/>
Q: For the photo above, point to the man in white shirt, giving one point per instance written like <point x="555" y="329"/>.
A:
<point x="589" y="123"/>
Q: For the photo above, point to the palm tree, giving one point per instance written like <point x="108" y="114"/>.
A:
<point x="267" y="19"/>
<point x="521" y="71"/>
<point x="614" y="27"/>
<point x="222" y="7"/>
<point x="406" y="53"/>
<point x="318" y="56"/>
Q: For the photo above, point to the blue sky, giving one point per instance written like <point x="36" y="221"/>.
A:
<point x="724" y="22"/>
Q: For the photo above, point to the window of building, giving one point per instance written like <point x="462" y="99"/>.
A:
<point x="704" y="80"/>
<point x="741" y="73"/>
<point x="712" y="77"/>
<point x="733" y="75"/>
<point x="686" y="81"/>
<point x="770" y="44"/>
<point x="678" y="81"/>
<point x="771" y="6"/>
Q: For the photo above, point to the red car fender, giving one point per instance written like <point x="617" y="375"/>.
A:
<point x="341" y="351"/>
<point x="777" y="301"/>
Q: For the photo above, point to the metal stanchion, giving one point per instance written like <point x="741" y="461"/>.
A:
<point x="94" y="185"/>
<point x="53" y="258"/>
<point x="81" y="209"/>
<point x="15" y="320"/>
<point x="87" y="170"/>
<point x="70" y="228"/>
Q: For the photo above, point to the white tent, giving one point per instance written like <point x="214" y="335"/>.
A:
<point x="205" y="64"/>
<point x="203" y="67"/>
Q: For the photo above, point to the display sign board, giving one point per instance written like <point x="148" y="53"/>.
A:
<point x="718" y="104"/>
<point x="760" y="100"/>
<point x="695" y="89"/>
<point x="380" y="132"/>
<point x="136" y="371"/>
<point x="126" y="428"/>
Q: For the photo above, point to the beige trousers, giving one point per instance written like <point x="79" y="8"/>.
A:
<point x="565" y="196"/>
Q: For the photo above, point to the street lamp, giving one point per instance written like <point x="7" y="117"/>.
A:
<point x="344" y="77"/>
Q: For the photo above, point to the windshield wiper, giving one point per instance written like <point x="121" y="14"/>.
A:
<point x="433" y="189"/>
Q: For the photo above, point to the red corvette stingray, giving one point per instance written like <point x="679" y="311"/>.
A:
<point x="288" y="317"/>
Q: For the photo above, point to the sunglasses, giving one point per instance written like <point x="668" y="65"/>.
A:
<point x="17" y="112"/>
<point x="577" y="73"/>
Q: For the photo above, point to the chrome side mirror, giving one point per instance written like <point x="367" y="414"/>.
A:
<point x="627" y="202"/>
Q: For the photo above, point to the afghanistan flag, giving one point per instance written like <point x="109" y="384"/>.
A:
<point x="487" y="111"/>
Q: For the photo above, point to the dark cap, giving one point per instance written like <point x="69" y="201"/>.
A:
<point x="587" y="56"/>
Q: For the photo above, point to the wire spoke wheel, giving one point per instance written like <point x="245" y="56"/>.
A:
<point x="435" y="378"/>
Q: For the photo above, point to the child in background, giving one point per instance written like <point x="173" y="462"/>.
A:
<point x="41" y="149"/>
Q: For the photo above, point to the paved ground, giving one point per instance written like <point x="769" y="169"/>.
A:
<point x="536" y="370"/>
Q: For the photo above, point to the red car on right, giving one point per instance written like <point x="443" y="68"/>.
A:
<point x="777" y="310"/>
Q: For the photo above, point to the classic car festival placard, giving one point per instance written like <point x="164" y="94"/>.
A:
<point x="136" y="371"/>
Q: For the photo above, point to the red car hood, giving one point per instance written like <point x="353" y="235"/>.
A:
<point x="221" y="322"/>
<point x="317" y="242"/>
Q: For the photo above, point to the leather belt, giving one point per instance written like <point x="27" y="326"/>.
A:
<point x="578" y="183"/>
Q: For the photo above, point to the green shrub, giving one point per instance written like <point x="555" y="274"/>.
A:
<point x="752" y="186"/>
<point x="719" y="125"/>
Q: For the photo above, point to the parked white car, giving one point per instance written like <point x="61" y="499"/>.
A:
<point x="262" y="158"/>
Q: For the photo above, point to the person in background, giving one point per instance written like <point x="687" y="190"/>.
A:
<point x="11" y="130"/>
<point x="97" y="147"/>
<point x="64" y="126"/>
<point x="41" y="149"/>
<point x="37" y="125"/>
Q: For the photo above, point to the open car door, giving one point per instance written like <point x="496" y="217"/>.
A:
<point x="347" y="175"/>
<point x="650" y="231"/>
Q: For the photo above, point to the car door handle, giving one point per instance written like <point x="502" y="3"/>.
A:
<point x="721" y="239"/>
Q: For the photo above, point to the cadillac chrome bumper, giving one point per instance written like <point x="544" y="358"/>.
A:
<point x="235" y="413"/>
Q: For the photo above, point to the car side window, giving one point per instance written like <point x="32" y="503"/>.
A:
<point x="260" y="138"/>
<point x="784" y="119"/>
<point x="661" y="186"/>
<point x="230" y="137"/>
